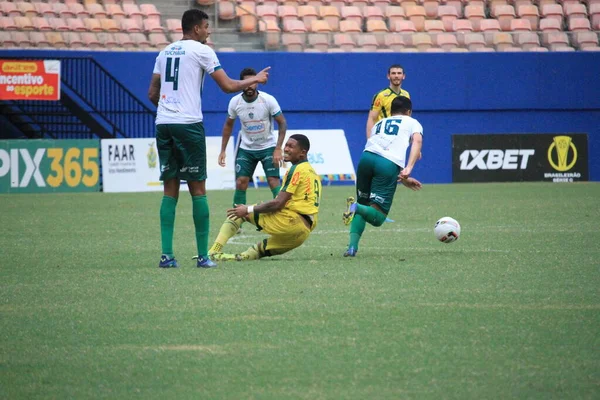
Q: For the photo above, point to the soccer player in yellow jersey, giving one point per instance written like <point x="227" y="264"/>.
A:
<point x="288" y="219"/>
<point x="382" y="101"/>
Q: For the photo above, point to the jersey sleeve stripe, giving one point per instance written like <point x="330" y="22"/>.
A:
<point x="288" y="178"/>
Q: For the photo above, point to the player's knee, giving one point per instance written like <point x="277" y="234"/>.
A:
<point x="241" y="183"/>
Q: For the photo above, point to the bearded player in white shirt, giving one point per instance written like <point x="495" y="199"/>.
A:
<point x="256" y="143"/>
<point x="176" y="89"/>
<point x="381" y="166"/>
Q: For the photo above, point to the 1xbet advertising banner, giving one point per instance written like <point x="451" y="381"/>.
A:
<point x="29" y="80"/>
<point x="520" y="157"/>
<point x="32" y="166"/>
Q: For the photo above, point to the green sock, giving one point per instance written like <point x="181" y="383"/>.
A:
<point x="167" y="224"/>
<point x="239" y="197"/>
<point x="275" y="191"/>
<point x="371" y="215"/>
<point x="357" y="227"/>
<point x="201" y="223"/>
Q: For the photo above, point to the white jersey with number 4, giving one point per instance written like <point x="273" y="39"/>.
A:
<point x="256" y="118"/>
<point x="182" y="67"/>
<point x="391" y="137"/>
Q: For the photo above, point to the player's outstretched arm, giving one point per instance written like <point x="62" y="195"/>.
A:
<point x="371" y="121"/>
<point x="154" y="89"/>
<point x="277" y="204"/>
<point x="229" y="85"/>
<point x="415" y="152"/>
<point x="225" y="135"/>
<point x="411" y="183"/>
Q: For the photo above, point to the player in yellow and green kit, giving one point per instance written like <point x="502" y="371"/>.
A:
<point x="288" y="219"/>
<point x="382" y="101"/>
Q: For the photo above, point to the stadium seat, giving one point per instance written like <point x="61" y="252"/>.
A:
<point x="307" y="14"/>
<point x="287" y="12"/>
<point x="431" y="8"/>
<point x="75" y="25"/>
<point x="58" y="24"/>
<point x="447" y="41"/>
<point x="173" y="25"/>
<point x="457" y="4"/>
<point x="62" y="10"/>
<point x="358" y="3"/>
<point x="26" y="9"/>
<point x="553" y="11"/>
<point x="90" y="40"/>
<point x="394" y="41"/>
<point x="474" y="41"/>
<point x="109" y="25"/>
<point x="528" y="40"/>
<point x="376" y="26"/>
<point x="404" y="26"/>
<point x="73" y="40"/>
<point x="107" y="39"/>
<point x="422" y="41"/>
<point x="150" y="11"/>
<point x="130" y="26"/>
<point x="530" y="13"/>
<point x="226" y="10"/>
<point x="575" y="10"/>
<point x="563" y="48"/>
<point x="41" y="24"/>
<point x="331" y="15"/>
<point x="293" y="41"/>
<point x="96" y="10"/>
<point x="294" y="26"/>
<point x="56" y="40"/>
<point x="595" y="16"/>
<point x="319" y="41"/>
<point x="434" y="26"/>
<point x="382" y="4"/>
<point x="520" y="25"/>
<point x="502" y="40"/>
<point x="158" y="40"/>
<point x="9" y="9"/>
<point x="586" y="39"/>
<point x="7" y="24"/>
<point x="39" y="39"/>
<point x="344" y="41"/>
<point x="505" y="14"/>
<point x="150" y="25"/>
<point x="124" y="40"/>
<point x="352" y="13"/>
<point x="448" y="15"/>
<point x="416" y="14"/>
<point x="550" y="24"/>
<point x="267" y="12"/>
<point x="475" y="14"/>
<point x="372" y="13"/>
<point x="21" y="39"/>
<point x="462" y="25"/>
<point x="44" y="9"/>
<point x="24" y="23"/>
<point x="489" y="27"/>
<point x="115" y="11"/>
<point x="133" y="11"/>
<point x="577" y="24"/>
<point x="247" y="23"/>
<point x="92" y="24"/>
<point x="591" y="48"/>
<point x="349" y="26"/>
<point x="368" y="42"/>
<point x="320" y="25"/>
<point x="140" y="40"/>
<point x="394" y="14"/>
<point x="556" y="40"/>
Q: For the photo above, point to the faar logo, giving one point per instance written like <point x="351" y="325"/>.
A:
<point x="46" y="166"/>
<point x="495" y="159"/>
<point x="560" y="152"/>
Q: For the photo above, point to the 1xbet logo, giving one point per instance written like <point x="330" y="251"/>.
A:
<point x="495" y="159"/>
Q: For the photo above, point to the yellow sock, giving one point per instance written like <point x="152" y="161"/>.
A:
<point x="251" y="254"/>
<point x="227" y="231"/>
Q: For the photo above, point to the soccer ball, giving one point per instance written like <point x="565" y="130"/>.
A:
<point x="447" y="230"/>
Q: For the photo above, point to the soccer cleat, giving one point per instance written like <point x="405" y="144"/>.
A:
<point x="167" y="262"/>
<point x="204" y="262"/>
<point x="348" y="215"/>
<point x="223" y="257"/>
<point x="351" y="252"/>
<point x="242" y="257"/>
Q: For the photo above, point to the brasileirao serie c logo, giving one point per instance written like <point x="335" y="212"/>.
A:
<point x="566" y="153"/>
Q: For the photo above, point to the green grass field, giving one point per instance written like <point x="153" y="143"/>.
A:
<point x="511" y="310"/>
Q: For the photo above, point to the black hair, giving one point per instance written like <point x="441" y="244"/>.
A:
<point x="401" y="105"/>
<point x="395" y="66"/>
<point x="247" y="72"/>
<point x="192" y="18"/>
<point x="302" y="140"/>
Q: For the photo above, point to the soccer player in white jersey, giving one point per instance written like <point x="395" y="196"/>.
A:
<point x="381" y="166"/>
<point x="176" y="89"/>
<point x="257" y="143"/>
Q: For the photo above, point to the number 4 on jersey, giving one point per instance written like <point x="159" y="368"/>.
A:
<point x="175" y="76"/>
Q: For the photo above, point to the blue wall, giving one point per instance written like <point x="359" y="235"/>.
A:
<point x="451" y="93"/>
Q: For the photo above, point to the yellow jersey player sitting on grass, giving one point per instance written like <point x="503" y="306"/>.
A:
<point x="288" y="219"/>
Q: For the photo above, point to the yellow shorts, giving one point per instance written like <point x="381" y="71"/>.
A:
<point x="286" y="228"/>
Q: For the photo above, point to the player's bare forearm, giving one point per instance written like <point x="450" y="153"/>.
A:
<point x="154" y="89"/>
<point x="274" y="205"/>
<point x="371" y="121"/>
<point x="415" y="151"/>
<point x="282" y="130"/>
<point x="226" y="133"/>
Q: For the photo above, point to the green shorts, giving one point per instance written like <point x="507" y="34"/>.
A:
<point x="181" y="151"/>
<point x="376" y="181"/>
<point x="247" y="160"/>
